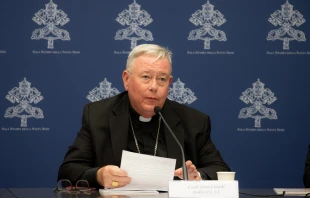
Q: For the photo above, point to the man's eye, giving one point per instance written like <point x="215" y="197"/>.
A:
<point x="163" y="79"/>
<point x="145" y="77"/>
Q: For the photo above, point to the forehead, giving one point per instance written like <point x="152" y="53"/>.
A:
<point x="151" y="63"/>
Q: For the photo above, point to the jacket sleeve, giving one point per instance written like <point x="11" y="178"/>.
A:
<point x="210" y="159"/>
<point x="307" y="170"/>
<point x="79" y="160"/>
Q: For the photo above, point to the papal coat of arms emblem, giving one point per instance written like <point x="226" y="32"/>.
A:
<point x="286" y="18"/>
<point x="134" y="17"/>
<point x="50" y="17"/>
<point x="181" y="94"/>
<point x="258" y="96"/>
<point x="24" y="95"/>
<point x="208" y="18"/>
<point x="102" y="92"/>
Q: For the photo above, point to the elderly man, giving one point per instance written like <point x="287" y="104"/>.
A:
<point x="127" y="122"/>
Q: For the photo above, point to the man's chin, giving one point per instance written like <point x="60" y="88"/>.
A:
<point x="149" y="108"/>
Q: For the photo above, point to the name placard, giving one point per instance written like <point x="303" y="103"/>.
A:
<point x="204" y="188"/>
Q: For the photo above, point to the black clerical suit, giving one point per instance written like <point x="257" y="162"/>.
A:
<point x="104" y="134"/>
<point x="307" y="170"/>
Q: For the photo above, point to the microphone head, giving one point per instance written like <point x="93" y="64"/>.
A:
<point x="157" y="109"/>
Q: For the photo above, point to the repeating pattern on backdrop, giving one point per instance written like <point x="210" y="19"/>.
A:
<point x="286" y="18"/>
<point x="134" y="17"/>
<point x="24" y="95"/>
<point x="180" y="94"/>
<point x="207" y="18"/>
<point x="102" y="92"/>
<point x="50" y="17"/>
<point x="258" y="96"/>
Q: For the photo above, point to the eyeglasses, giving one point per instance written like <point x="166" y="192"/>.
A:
<point x="66" y="189"/>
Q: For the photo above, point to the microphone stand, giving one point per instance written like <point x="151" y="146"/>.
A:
<point x="157" y="109"/>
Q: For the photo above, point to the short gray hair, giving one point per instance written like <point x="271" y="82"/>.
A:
<point x="151" y="50"/>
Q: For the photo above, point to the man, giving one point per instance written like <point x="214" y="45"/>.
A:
<point x="307" y="170"/>
<point x="127" y="122"/>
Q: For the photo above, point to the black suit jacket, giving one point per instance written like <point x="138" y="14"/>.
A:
<point x="307" y="170"/>
<point x="104" y="135"/>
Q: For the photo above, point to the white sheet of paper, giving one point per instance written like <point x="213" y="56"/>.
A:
<point x="292" y="191"/>
<point x="115" y="192"/>
<point x="147" y="172"/>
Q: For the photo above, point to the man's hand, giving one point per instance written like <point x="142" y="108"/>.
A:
<point x="192" y="172"/>
<point x="112" y="177"/>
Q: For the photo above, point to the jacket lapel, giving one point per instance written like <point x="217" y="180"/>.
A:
<point x="173" y="121"/>
<point x="119" y="129"/>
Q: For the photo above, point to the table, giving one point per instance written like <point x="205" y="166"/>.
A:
<point x="49" y="193"/>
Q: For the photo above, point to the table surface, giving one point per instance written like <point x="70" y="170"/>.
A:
<point x="49" y="193"/>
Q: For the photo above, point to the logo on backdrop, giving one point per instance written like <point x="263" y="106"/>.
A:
<point x="208" y="18"/>
<point x="257" y="97"/>
<point x="24" y="95"/>
<point x="180" y="94"/>
<point x="134" y="18"/>
<point x="102" y="92"/>
<point x="50" y="18"/>
<point x="286" y="18"/>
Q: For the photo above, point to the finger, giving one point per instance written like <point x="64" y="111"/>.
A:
<point x="108" y="176"/>
<point x="121" y="180"/>
<point x="193" y="176"/>
<point x="120" y="185"/>
<point x="178" y="173"/>
<point x="117" y="184"/>
<point x="191" y="168"/>
<point x="116" y="171"/>
<point x="198" y="177"/>
<point x="188" y="163"/>
<point x="123" y="183"/>
<point x="113" y="170"/>
<point x="194" y="173"/>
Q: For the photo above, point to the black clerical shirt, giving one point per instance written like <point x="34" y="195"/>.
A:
<point x="146" y="133"/>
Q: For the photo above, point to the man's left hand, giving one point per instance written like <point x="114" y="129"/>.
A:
<point x="192" y="172"/>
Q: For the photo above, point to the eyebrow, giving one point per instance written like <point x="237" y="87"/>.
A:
<point x="161" y="73"/>
<point x="165" y="74"/>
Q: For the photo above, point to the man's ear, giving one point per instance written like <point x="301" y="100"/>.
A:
<point x="170" y="80"/>
<point x="125" y="77"/>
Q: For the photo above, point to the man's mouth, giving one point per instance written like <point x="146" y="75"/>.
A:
<point x="151" y="98"/>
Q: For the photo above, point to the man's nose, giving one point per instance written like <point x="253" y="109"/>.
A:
<point x="153" y="85"/>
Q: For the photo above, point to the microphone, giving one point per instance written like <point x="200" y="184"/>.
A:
<point x="157" y="110"/>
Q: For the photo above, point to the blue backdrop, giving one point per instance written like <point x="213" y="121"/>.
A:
<point x="244" y="63"/>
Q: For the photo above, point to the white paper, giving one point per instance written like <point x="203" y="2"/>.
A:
<point x="292" y="191"/>
<point x="147" y="172"/>
<point x="109" y="192"/>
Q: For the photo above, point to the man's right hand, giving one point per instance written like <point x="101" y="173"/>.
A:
<point x="112" y="174"/>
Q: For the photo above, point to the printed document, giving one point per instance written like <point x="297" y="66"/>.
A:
<point x="147" y="172"/>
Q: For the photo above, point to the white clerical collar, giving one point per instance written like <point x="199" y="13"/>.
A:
<point x="143" y="119"/>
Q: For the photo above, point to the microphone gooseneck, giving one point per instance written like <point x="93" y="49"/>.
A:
<point x="157" y="110"/>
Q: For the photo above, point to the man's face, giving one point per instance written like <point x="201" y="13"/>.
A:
<point x="147" y="84"/>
